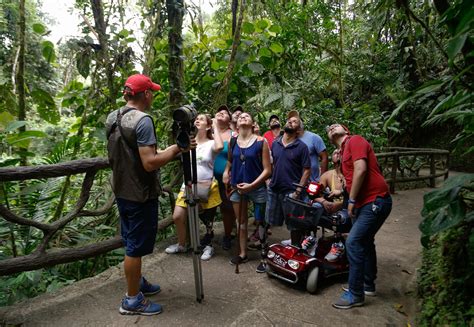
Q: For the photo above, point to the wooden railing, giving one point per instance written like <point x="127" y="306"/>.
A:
<point x="42" y="256"/>
<point x="401" y="165"/>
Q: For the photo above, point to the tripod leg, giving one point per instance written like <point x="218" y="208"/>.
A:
<point x="194" y="235"/>
<point x="190" y="177"/>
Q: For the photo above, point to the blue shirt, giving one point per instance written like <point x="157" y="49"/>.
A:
<point x="288" y="164"/>
<point x="315" y="146"/>
<point x="145" y="132"/>
<point x="221" y="161"/>
<point x="246" y="163"/>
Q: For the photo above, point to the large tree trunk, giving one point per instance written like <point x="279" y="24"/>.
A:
<point x="234" y="8"/>
<point x="175" y="10"/>
<point x="20" y="76"/>
<point x="221" y="94"/>
<point x="101" y="28"/>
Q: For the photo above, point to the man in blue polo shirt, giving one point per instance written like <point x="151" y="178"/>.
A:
<point x="291" y="164"/>
<point x="316" y="147"/>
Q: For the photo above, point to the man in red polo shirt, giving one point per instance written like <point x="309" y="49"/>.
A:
<point x="369" y="205"/>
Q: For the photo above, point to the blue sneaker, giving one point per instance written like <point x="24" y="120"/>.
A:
<point x="148" y="288"/>
<point x="348" y="300"/>
<point x="139" y="306"/>
<point x="368" y="291"/>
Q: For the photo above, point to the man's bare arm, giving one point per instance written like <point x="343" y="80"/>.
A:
<point x="152" y="160"/>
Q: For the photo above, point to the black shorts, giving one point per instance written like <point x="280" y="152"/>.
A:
<point x="139" y="225"/>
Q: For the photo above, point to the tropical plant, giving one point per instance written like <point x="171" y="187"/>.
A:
<point x="447" y="272"/>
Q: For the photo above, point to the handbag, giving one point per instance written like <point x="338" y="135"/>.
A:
<point x="204" y="190"/>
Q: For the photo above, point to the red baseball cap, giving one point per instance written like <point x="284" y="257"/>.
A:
<point x="139" y="83"/>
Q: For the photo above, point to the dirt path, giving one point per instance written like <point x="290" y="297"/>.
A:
<point x="246" y="299"/>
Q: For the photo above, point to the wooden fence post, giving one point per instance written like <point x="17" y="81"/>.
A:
<point x="394" y="173"/>
<point x="432" y="171"/>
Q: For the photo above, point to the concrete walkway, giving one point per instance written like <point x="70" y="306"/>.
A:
<point x="246" y="299"/>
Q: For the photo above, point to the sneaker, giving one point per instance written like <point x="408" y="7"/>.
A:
<point x="207" y="253"/>
<point x="367" y="291"/>
<point x="207" y="239"/>
<point x="175" y="248"/>
<point x="255" y="236"/>
<point x="262" y="267"/>
<point x="226" y="242"/>
<point x="148" y="288"/>
<point x="254" y="246"/>
<point x="238" y="260"/>
<point x="348" y="300"/>
<point x="139" y="306"/>
<point x="286" y="242"/>
<point x="337" y="251"/>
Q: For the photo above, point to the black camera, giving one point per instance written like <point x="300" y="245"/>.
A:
<point x="183" y="124"/>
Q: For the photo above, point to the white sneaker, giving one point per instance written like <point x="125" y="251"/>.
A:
<point x="286" y="242"/>
<point x="207" y="253"/>
<point x="175" y="248"/>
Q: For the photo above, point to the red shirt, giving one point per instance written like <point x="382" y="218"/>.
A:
<point x="269" y="137"/>
<point x="355" y="148"/>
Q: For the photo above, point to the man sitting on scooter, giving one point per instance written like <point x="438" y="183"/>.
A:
<point x="333" y="180"/>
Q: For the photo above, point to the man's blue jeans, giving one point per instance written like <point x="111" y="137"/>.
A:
<point x="361" y="247"/>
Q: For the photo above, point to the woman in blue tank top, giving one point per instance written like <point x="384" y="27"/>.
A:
<point x="247" y="169"/>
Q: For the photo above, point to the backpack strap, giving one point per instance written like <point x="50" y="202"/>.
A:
<point x="260" y="141"/>
<point x="118" y="121"/>
<point x="230" y="151"/>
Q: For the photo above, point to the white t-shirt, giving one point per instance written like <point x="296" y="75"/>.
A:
<point x="205" y="160"/>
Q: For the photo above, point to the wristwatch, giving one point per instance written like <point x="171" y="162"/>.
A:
<point x="351" y="201"/>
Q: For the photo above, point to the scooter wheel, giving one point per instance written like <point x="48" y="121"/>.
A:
<point x="312" y="280"/>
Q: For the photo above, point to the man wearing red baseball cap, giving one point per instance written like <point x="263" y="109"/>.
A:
<point x="135" y="164"/>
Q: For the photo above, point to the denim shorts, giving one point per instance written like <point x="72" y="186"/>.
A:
<point x="256" y="196"/>
<point x="274" y="214"/>
<point x="138" y="226"/>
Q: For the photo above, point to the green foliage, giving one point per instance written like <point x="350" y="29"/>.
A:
<point x="446" y="95"/>
<point x="446" y="279"/>
<point x="447" y="272"/>
<point x="368" y="65"/>
<point x="447" y="207"/>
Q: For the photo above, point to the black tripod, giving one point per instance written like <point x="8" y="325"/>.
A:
<point x="188" y="160"/>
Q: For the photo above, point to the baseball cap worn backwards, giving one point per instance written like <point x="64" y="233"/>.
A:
<point x="139" y="83"/>
<point x="293" y="113"/>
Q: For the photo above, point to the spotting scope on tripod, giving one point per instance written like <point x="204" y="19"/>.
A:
<point x="184" y="128"/>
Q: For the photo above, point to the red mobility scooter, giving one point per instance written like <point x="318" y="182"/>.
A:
<point x="307" y="262"/>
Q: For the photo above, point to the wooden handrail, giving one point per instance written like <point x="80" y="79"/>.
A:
<point x="396" y="154"/>
<point x="43" y="257"/>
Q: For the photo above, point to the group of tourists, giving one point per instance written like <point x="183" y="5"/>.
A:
<point x="237" y="167"/>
